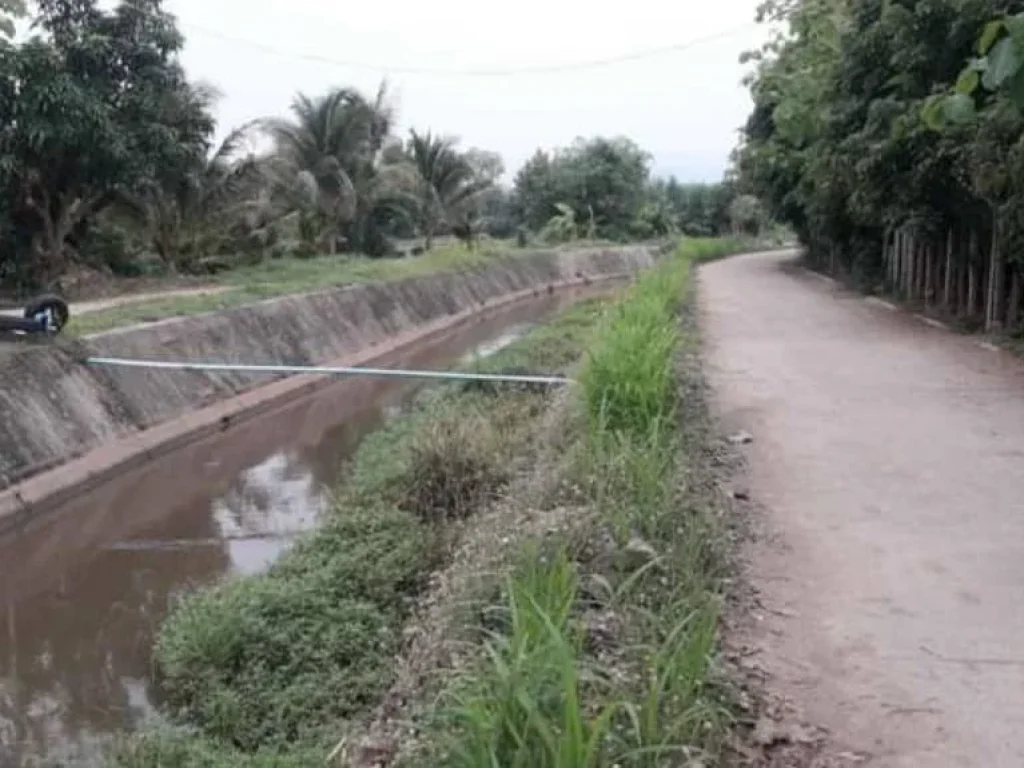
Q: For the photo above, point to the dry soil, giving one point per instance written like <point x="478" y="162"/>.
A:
<point x="888" y="457"/>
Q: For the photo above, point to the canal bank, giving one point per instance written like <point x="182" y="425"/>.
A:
<point x="66" y="427"/>
<point x="87" y="585"/>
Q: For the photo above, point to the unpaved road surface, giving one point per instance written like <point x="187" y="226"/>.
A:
<point x="99" y="305"/>
<point x="888" y="465"/>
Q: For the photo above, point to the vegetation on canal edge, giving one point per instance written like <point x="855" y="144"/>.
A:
<point x="602" y="646"/>
<point x="279" y="659"/>
<point x="594" y="649"/>
<point x="279" y="277"/>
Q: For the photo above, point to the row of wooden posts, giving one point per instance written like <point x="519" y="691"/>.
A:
<point x="955" y="276"/>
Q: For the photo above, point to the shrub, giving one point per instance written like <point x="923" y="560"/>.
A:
<point x="455" y="466"/>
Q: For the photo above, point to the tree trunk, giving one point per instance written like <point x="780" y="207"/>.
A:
<point x="58" y="217"/>
<point x="48" y="243"/>
<point x="994" y="300"/>
<point x="922" y="272"/>
<point x="908" y="269"/>
<point x="886" y="253"/>
<point x="1013" y="306"/>
<point x="972" y="290"/>
<point x="894" y="268"/>
<point x="947" y="288"/>
<point x="912" y="269"/>
<point x="972" y="276"/>
<point x="929" y="274"/>
<point x="961" y="299"/>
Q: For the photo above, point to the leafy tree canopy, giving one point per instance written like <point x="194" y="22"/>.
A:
<point x="601" y="180"/>
<point x="93" y="105"/>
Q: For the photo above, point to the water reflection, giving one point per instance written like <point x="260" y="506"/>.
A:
<point x="83" y="590"/>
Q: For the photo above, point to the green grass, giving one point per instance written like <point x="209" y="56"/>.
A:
<point x="527" y="708"/>
<point x="541" y="694"/>
<point x="165" y="747"/>
<point x="627" y="381"/>
<point x="279" y="277"/>
<point x="272" y="665"/>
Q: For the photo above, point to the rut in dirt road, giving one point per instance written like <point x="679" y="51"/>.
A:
<point x="889" y="460"/>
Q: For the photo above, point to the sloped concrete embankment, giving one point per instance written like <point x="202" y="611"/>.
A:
<point x="65" y="426"/>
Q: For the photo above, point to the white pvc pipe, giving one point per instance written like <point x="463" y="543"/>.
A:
<point x="175" y="365"/>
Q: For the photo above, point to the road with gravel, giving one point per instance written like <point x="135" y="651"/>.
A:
<point x="887" y="476"/>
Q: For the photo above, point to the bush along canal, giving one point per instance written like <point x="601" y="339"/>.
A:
<point x="509" y="576"/>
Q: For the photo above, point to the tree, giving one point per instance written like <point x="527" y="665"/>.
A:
<point x="447" y="183"/>
<point x="603" y="180"/>
<point x="201" y="212"/>
<point x="561" y="227"/>
<point x="320" y="155"/>
<point x="745" y="215"/>
<point x="535" y="193"/>
<point x="891" y="161"/>
<point x="337" y="171"/>
<point x="492" y="207"/>
<point x="96" y="107"/>
<point x="10" y="12"/>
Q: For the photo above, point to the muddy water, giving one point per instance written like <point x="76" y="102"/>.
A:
<point x="83" y="592"/>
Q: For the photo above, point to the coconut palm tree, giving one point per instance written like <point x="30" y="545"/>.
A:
<point x="447" y="183"/>
<point x="320" y="155"/>
<point x="328" y="168"/>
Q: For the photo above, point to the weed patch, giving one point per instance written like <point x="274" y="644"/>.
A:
<point x="270" y="666"/>
<point x="525" y="705"/>
<point x="454" y="465"/>
<point x="601" y="649"/>
<point x="266" y="660"/>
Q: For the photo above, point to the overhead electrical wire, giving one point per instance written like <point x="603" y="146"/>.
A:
<point x="485" y="72"/>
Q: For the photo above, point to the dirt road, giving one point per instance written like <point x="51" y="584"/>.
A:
<point x="99" y="305"/>
<point x="889" y="460"/>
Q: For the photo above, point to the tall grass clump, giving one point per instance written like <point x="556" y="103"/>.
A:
<point x="606" y="656"/>
<point x="455" y="465"/>
<point x="524" y="705"/>
<point x="627" y="380"/>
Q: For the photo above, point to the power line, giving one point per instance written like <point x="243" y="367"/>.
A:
<point x="440" y="72"/>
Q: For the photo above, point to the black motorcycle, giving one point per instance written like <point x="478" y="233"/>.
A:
<point x="45" y="315"/>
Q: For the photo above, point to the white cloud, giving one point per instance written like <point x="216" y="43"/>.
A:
<point x="684" y="106"/>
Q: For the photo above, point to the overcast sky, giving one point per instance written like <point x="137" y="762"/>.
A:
<point x="683" y="106"/>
